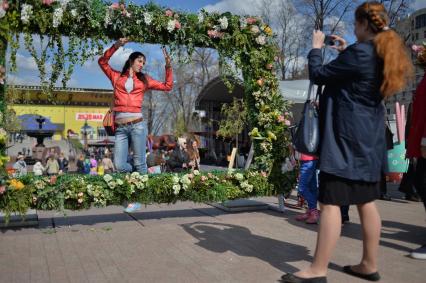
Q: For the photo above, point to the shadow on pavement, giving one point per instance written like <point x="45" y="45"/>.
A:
<point x="223" y="237"/>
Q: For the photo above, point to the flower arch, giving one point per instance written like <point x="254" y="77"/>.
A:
<point x="89" y="24"/>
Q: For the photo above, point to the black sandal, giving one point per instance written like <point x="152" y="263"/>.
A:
<point x="291" y="278"/>
<point x="375" y="276"/>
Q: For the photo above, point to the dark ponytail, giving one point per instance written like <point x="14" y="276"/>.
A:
<point x="141" y="76"/>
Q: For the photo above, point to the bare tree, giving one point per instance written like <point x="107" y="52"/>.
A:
<point x="289" y="27"/>
<point x="190" y="78"/>
<point x="396" y="9"/>
<point x="327" y="15"/>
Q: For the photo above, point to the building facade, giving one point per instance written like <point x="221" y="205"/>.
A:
<point x="72" y="107"/>
<point x="413" y="31"/>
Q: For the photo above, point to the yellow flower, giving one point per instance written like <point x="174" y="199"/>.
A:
<point x="18" y="185"/>
<point x="268" y="30"/>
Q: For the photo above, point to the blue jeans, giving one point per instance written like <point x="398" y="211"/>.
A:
<point x="308" y="187"/>
<point x="137" y="134"/>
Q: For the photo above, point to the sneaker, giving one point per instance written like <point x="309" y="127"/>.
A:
<point x="132" y="207"/>
<point x="303" y="216"/>
<point x="313" y="217"/>
<point x="419" y="253"/>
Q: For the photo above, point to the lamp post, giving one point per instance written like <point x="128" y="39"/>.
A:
<point x="85" y="127"/>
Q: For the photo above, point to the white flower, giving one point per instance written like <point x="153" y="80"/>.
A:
<point x="107" y="178"/>
<point x="243" y="23"/>
<point x="185" y="180"/>
<point x="176" y="189"/>
<point x="200" y="17"/>
<point x="135" y="175"/>
<point x="223" y="23"/>
<point x="64" y="4"/>
<point x="261" y="39"/>
<point x="175" y="179"/>
<point x="107" y="19"/>
<point x="144" y="178"/>
<point x="57" y="17"/>
<point x="2" y="12"/>
<point x="196" y="172"/>
<point x="255" y="29"/>
<point x="74" y="13"/>
<point x="26" y="12"/>
<point x="147" y="18"/>
<point x="120" y="182"/>
<point x="239" y="176"/>
<point x="171" y="25"/>
<point x="112" y="184"/>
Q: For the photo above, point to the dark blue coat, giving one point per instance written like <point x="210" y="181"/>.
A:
<point x="351" y="112"/>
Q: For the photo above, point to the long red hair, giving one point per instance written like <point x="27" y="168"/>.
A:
<point x="397" y="66"/>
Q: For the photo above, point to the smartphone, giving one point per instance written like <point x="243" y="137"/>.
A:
<point x="328" y="40"/>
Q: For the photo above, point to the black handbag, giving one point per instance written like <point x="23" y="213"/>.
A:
<point x="306" y="138"/>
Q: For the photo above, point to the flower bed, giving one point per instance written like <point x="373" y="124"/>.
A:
<point x="83" y="191"/>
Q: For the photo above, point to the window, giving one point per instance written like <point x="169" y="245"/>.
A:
<point x="421" y="21"/>
<point x="424" y="34"/>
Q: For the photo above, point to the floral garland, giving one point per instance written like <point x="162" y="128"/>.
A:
<point x="420" y="51"/>
<point x="80" y="192"/>
<point x="247" y="41"/>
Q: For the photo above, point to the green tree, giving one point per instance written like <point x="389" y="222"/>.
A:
<point x="234" y="120"/>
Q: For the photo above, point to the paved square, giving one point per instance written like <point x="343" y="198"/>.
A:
<point x="187" y="242"/>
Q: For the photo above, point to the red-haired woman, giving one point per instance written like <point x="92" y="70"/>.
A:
<point x="353" y="147"/>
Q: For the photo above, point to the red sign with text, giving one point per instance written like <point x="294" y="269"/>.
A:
<point x="89" y="116"/>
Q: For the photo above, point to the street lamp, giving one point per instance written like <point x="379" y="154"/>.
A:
<point x="85" y="127"/>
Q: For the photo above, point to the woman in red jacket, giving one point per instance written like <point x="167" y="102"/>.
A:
<point x="417" y="144"/>
<point x="129" y="87"/>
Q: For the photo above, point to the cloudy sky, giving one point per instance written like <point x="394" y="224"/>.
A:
<point x="90" y="76"/>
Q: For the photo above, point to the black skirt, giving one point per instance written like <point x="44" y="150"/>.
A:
<point x="341" y="191"/>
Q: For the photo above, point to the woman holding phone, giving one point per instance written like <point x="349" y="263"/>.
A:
<point x="129" y="87"/>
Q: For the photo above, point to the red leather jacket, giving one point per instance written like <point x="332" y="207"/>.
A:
<point x="417" y="135"/>
<point x="131" y="102"/>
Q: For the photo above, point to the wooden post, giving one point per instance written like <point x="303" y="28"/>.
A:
<point x="249" y="157"/>
<point x="232" y="160"/>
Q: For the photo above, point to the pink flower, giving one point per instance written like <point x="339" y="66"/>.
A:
<point x="190" y="176"/>
<point x="5" y="5"/>
<point x="251" y="20"/>
<point x="417" y="48"/>
<point x="80" y="200"/>
<point x="214" y="33"/>
<point x="2" y="189"/>
<point x="203" y="178"/>
<point x="169" y="13"/>
<point x="53" y="180"/>
<point x="281" y="119"/>
<point x="177" y="24"/>
<point x="269" y="66"/>
<point x="263" y="173"/>
<point x="287" y="122"/>
<point x="48" y="2"/>
<point x="210" y="175"/>
<point x="115" y="6"/>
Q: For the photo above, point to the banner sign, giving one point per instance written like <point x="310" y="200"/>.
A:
<point x="89" y="116"/>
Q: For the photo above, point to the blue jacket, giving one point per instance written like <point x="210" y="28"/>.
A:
<point x="352" y="113"/>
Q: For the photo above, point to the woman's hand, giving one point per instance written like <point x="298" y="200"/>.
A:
<point x="341" y="43"/>
<point x="166" y="57"/>
<point x="318" y="39"/>
<point x="121" y="42"/>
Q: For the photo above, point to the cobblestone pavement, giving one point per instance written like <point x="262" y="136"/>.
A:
<point x="187" y="242"/>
